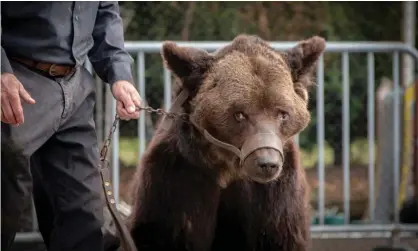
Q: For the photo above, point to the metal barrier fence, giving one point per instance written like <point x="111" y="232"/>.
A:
<point x="139" y="49"/>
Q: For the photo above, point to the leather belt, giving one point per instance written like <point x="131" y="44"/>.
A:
<point x="52" y="70"/>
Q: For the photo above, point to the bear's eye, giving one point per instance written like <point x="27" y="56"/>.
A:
<point x="239" y="116"/>
<point x="283" y="116"/>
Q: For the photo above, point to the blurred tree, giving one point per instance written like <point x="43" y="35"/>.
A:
<point x="361" y="21"/>
<point x="277" y="21"/>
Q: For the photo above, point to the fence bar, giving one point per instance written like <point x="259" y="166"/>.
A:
<point x="342" y="229"/>
<point x="141" y="81"/>
<point x="371" y="133"/>
<point x="115" y="157"/>
<point x="351" y="47"/>
<point x="346" y="135"/>
<point x="396" y="135"/>
<point x="167" y="89"/>
<point x="320" y="139"/>
<point x="365" y="228"/>
<point x="297" y="139"/>
<point x="358" y="235"/>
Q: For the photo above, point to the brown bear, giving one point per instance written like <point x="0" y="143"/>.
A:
<point x="228" y="177"/>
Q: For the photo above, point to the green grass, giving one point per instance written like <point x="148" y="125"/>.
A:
<point x="128" y="153"/>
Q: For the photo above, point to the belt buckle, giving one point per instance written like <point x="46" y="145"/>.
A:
<point x="52" y="70"/>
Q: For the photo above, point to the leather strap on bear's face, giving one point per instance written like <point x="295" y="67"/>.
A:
<point x="253" y="143"/>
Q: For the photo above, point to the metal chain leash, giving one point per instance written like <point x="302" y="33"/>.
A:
<point x="106" y="144"/>
<point x="127" y="242"/>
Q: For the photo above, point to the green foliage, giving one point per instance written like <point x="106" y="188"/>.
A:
<point x="129" y="153"/>
<point x="352" y="22"/>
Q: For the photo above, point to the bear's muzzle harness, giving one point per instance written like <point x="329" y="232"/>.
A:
<point x="255" y="142"/>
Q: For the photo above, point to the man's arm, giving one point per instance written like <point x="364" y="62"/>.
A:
<point x="110" y="60"/>
<point x="108" y="56"/>
<point x="12" y="91"/>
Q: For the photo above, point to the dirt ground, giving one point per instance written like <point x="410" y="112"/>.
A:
<point x="333" y="195"/>
<point x="317" y="245"/>
<point x="333" y="187"/>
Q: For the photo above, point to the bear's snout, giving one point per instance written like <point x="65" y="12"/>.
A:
<point x="264" y="165"/>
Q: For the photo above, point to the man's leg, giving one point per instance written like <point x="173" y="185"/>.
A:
<point x="19" y="142"/>
<point x="42" y="200"/>
<point x="69" y="170"/>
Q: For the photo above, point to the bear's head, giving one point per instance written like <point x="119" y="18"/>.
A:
<point x="248" y="96"/>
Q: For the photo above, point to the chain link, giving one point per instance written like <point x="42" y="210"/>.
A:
<point x="106" y="144"/>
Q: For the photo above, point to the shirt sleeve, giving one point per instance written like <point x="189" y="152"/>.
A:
<point x="108" y="56"/>
<point x="5" y="63"/>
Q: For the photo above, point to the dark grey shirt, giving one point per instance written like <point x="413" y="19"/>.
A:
<point x="66" y="33"/>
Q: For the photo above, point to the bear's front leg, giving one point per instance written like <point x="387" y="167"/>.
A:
<point x="176" y="207"/>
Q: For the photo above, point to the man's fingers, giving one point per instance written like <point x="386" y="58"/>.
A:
<point x="25" y="95"/>
<point x="136" y="114"/>
<point x="16" y="106"/>
<point x="136" y="99"/>
<point x="138" y="103"/>
<point x="12" y="93"/>
<point x="128" y="103"/>
<point x="122" y="112"/>
<point x="8" y="113"/>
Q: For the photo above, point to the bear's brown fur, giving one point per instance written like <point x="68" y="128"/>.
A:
<point x="191" y="194"/>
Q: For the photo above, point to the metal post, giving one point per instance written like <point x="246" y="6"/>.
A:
<point x="409" y="24"/>
<point x="297" y="139"/>
<point x="371" y="132"/>
<point x="396" y="133"/>
<point x="115" y="157"/>
<point x="167" y="89"/>
<point x="141" y="81"/>
<point x="346" y="136"/>
<point x="320" y="139"/>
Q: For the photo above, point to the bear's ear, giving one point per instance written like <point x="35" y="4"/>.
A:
<point x="302" y="59"/>
<point x="184" y="61"/>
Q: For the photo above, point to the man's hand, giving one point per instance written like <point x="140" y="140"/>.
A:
<point x="11" y="93"/>
<point x="127" y="98"/>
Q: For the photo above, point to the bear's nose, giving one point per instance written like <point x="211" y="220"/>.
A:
<point x="266" y="163"/>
